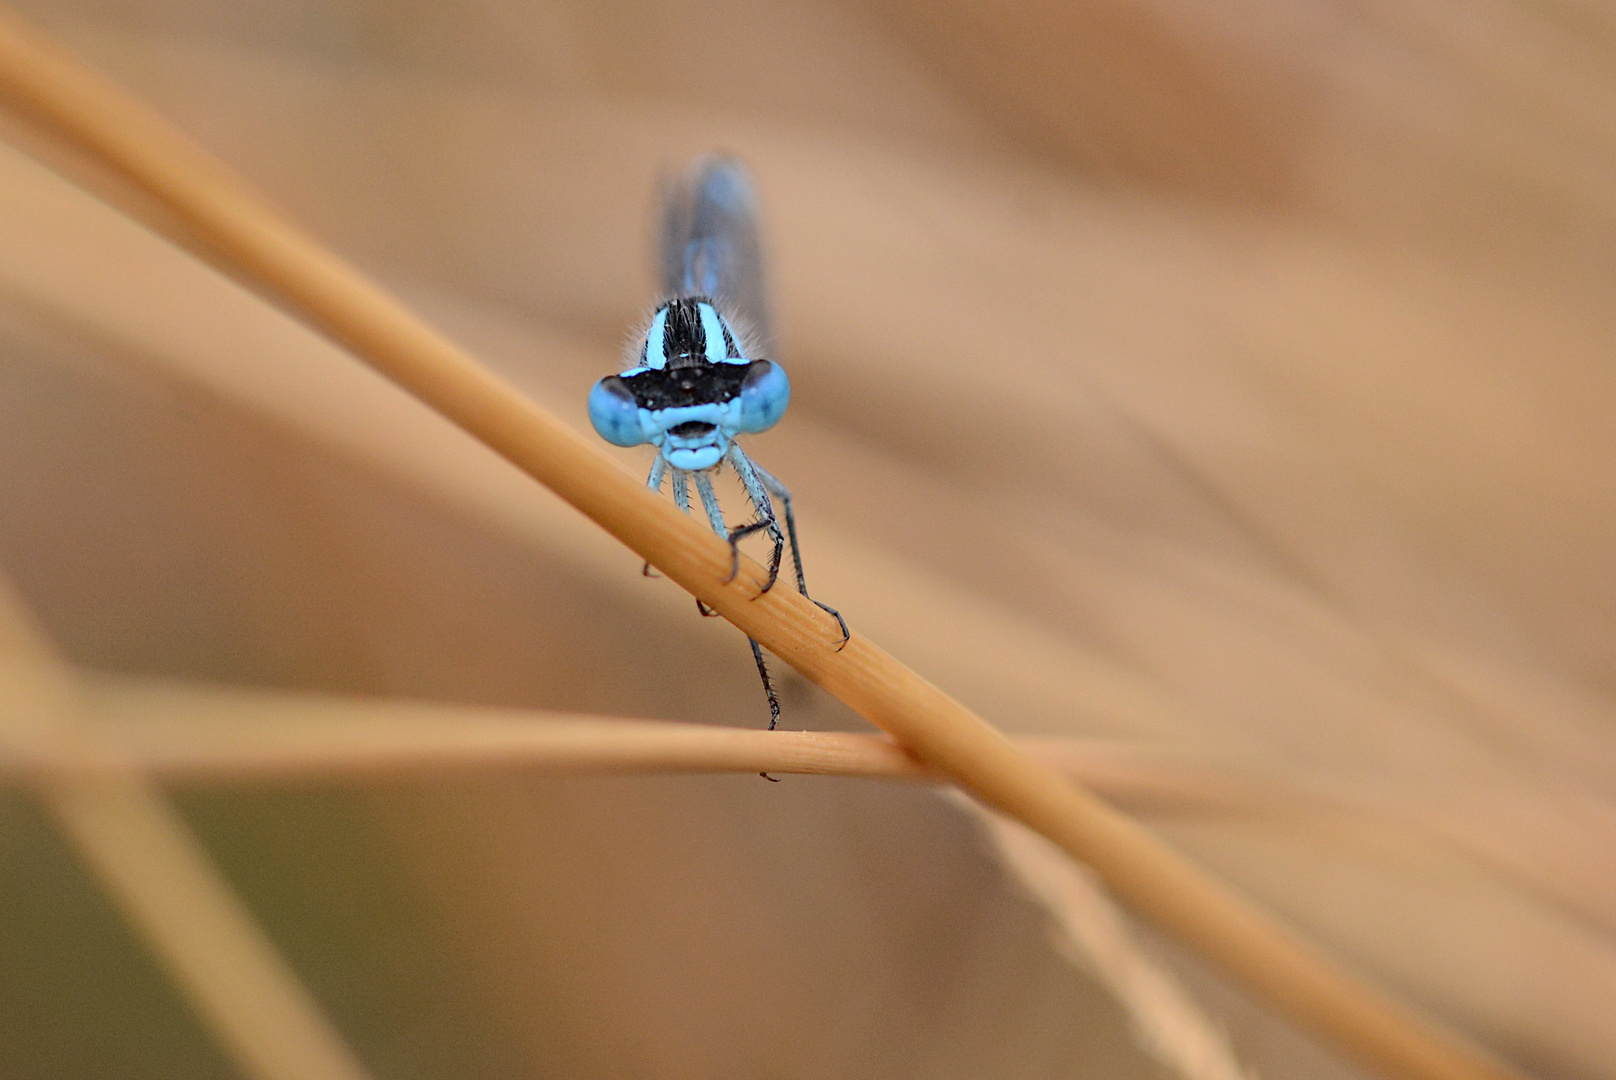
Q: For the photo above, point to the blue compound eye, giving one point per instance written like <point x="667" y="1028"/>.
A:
<point x="765" y="393"/>
<point x="615" y="413"/>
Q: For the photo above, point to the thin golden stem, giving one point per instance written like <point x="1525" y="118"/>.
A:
<point x="191" y="733"/>
<point x="210" y="207"/>
<point x="196" y="733"/>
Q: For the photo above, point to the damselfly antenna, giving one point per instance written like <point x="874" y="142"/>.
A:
<point x="693" y="389"/>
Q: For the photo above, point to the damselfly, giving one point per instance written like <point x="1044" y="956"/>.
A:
<point x="696" y="381"/>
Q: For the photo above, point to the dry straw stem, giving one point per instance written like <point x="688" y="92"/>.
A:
<point x="159" y="876"/>
<point x="225" y="218"/>
<point x="185" y="732"/>
<point x="189" y="733"/>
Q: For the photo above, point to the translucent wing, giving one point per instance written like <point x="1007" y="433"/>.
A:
<point x="710" y="245"/>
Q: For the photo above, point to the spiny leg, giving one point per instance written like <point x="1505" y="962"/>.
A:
<point x="681" y="491"/>
<point x="709" y="503"/>
<point x="681" y="499"/>
<point x="715" y="517"/>
<point x="765" y="479"/>
<point x="769" y="483"/>
<point x="765" y="517"/>
<point x="768" y="687"/>
<point x="658" y="466"/>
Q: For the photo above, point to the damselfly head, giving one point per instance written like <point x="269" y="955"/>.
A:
<point x="692" y="391"/>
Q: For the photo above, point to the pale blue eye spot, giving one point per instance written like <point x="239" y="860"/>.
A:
<point x="764" y="396"/>
<point x="615" y="413"/>
<point x="656" y="354"/>
<point x="712" y="327"/>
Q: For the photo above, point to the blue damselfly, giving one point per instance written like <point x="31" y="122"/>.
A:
<point x="696" y="380"/>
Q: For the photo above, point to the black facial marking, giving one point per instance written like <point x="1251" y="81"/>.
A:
<point x="678" y="387"/>
<point x="692" y="429"/>
<point x="683" y="334"/>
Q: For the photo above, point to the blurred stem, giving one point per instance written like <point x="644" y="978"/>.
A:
<point x="190" y="733"/>
<point x="158" y="874"/>
<point x="207" y="206"/>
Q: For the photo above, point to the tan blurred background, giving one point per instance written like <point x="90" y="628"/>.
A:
<point x="1235" y="379"/>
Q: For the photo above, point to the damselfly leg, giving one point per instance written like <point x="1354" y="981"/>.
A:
<point x="759" y="482"/>
<point x="715" y="518"/>
<point x="654" y="482"/>
<point x="766" y="520"/>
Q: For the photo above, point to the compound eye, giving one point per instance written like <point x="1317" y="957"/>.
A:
<point x="615" y="413"/>
<point x="765" y="392"/>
